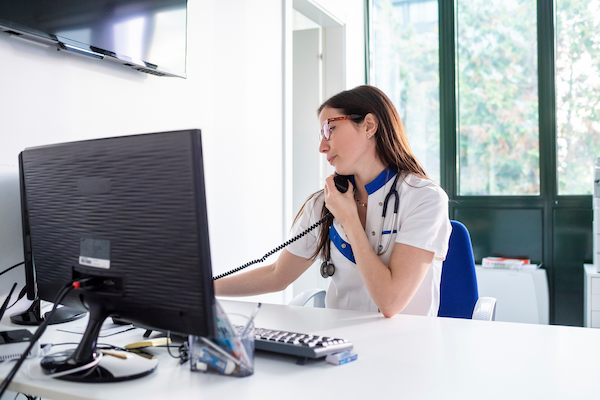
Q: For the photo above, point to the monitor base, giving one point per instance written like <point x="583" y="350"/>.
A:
<point x="32" y="316"/>
<point x="108" y="369"/>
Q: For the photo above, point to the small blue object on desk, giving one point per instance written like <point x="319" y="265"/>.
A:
<point x="341" y="358"/>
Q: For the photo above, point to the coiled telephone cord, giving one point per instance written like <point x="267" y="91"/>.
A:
<point x="275" y="250"/>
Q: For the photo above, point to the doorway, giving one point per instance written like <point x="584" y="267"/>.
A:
<point x="315" y="70"/>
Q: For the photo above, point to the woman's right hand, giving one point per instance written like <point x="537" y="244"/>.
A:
<point x="341" y="205"/>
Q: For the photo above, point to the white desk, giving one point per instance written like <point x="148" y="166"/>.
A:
<point x="404" y="357"/>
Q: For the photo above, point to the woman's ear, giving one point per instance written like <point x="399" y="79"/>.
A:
<point x="370" y="125"/>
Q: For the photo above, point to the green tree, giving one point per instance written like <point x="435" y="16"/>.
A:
<point x="405" y="65"/>
<point x="498" y="97"/>
<point x="577" y="93"/>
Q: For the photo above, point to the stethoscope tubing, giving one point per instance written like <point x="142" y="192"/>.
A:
<point x="393" y="191"/>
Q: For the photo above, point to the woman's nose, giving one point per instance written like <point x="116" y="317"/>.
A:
<point x="323" y="145"/>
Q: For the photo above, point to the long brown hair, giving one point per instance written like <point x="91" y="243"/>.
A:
<point x="391" y="146"/>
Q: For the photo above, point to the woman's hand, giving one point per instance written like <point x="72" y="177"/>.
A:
<point x="341" y="205"/>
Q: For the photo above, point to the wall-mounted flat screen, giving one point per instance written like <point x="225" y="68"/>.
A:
<point x="147" y="35"/>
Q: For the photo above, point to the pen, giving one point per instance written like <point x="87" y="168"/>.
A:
<point x="3" y="309"/>
<point x="219" y="350"/>
<point x="250" y="320"/>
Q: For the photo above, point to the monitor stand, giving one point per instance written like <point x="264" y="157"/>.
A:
<point x="32" y="316"/>
<point x="89" y="364"/>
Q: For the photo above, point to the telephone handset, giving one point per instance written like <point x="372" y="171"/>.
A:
<point x="341" y="182"/>
<point x="327" y="269"/>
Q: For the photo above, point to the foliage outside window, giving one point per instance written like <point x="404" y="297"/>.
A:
<point x="497" y="89"/>
<point x="405" y="65"/>
<point x="497" y="97"/>
<point x="577" y="93"/>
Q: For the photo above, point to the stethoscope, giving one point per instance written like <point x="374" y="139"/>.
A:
<point x="327" y="267"/>
<point x="393" y="191"/>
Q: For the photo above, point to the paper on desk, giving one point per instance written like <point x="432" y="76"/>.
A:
<point x="108" y="328"/>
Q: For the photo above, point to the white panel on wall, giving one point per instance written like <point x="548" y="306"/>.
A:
<point x="11" y="242"/>
<point x="246" y="172"/>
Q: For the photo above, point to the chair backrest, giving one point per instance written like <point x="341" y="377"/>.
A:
<point x="458" y="287"/>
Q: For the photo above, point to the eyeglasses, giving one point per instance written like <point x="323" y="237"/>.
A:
<point x="326" y="131"/>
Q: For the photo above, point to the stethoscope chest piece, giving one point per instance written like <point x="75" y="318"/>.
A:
<point x="327" y="269"/>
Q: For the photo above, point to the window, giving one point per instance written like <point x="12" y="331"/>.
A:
<point x="498" y="141"/>
<point x="405" y="65"/>
<point x="577" y="94"/>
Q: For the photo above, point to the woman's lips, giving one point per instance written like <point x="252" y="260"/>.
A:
<point x="330" y="160"/>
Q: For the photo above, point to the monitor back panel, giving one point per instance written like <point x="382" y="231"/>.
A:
<point x="132" y="208"/>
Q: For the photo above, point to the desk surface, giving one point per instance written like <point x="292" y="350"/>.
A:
<point x="402" y="357"/>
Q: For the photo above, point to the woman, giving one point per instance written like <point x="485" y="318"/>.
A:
<point x="377" y="266"/>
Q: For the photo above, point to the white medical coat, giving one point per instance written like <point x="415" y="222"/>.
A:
<point x="422" y="222"/>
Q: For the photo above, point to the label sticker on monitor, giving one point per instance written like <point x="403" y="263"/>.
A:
<point x="94" y="253"/>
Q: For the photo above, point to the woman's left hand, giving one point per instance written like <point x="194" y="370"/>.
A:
<point x="341" y="205"/>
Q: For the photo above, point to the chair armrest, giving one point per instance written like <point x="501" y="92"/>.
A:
<point x="304" y="297"/>
<point x="485" y="309"/>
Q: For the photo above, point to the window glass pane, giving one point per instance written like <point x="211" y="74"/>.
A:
<point x="497" y="97"/>
<point x="405" y="65"/>
<point x="577" y="94"/>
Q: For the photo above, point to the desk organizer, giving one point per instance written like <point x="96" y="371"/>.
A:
<point x="231" y="353"/>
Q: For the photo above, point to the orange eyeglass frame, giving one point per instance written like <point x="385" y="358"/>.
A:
<point x="325" y="130"/>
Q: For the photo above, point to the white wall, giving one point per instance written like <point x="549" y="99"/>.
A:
<point x="352" y="14"/>
<point x="11" y="242"/>
<point x="233" y="93"/>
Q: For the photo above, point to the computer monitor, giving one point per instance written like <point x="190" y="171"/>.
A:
<point x="129" y="212"/>
<point x="33" y="315"/>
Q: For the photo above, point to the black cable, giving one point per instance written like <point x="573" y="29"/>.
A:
<point x="11" y="268"/>
<point x="168" y="342"/>
<point x="19" y="297"/>
<point x="275" y="250"/>
<point x="35" y="338"/>
<point x="184" y="352"/>
<point x="28" y="397"/>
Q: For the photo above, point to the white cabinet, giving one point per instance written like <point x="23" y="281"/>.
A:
<point x="522" y="295"/>
<point x="591" y="315"/>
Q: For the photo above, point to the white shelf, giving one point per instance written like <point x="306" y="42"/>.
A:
<point x="522" y="295"/>
<point x="591" y="314"/>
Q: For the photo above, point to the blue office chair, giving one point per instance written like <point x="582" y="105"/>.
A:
<point x="458" y="288"/>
